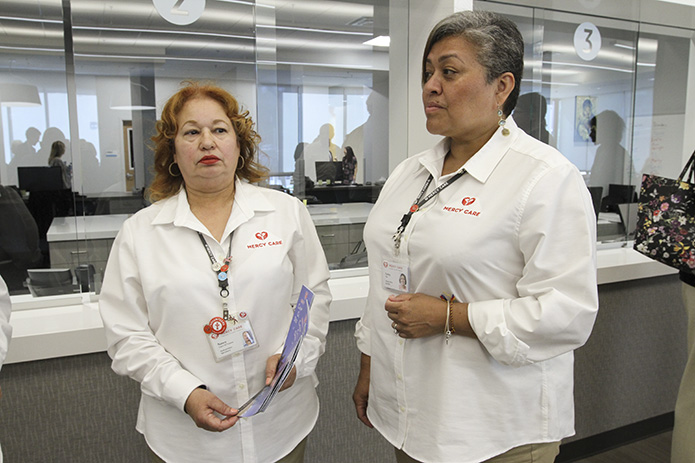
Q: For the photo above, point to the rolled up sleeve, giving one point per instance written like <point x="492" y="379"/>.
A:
<point x="557" y="298"/>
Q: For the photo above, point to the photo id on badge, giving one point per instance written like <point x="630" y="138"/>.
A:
<point x="396" y="276"/>
<point x="227" y="337"/>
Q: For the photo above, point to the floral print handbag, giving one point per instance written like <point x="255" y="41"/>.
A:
<point x="666" y="219"/>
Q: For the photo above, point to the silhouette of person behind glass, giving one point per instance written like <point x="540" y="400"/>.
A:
<point x="51" y="135"/>
<point x="92" y="178"/>
<point x="321" y="149"/>
<point x="299" y="179"/>
<point x="24" y="154"/>
<point x="369" y="141"/>
<point x="529" y="115"/>
<point x="612" y="164"/>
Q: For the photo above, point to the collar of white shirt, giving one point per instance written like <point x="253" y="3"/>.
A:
<point x="248" y="200"/>
<point x="483" y="163"/>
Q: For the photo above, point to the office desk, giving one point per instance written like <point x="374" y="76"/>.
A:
<point x="344" y="193"/>
<point x="83" y="240"/>
<point x="88" y="239"/>
<point x="339" y="227"/>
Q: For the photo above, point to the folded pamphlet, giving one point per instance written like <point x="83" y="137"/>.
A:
<point x="298" y="328"/>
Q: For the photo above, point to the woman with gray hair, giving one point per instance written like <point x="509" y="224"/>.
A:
<point x="495" y="232"/>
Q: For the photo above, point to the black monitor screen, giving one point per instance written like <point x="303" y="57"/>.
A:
<point x="329" y="170"/>
<point x="40" y="178"/>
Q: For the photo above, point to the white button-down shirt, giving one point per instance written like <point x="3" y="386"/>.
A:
<point x="160" y="291"/>
<point x="515" y="238"/>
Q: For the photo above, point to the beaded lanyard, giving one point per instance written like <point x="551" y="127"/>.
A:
<point x="221" y="269"/>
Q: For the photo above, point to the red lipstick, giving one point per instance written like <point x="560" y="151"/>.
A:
<point x="208" y="160"/>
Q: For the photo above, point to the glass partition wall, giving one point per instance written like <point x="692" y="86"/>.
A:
<point x="100" y="72"/>
<point x="92" y="76"/>
<point x="610" y="94"/>
<point x="34" y="116"/>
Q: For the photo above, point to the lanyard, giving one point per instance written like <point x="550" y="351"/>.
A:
<point x="222" y="272"/>
<point x="419" y="202"/>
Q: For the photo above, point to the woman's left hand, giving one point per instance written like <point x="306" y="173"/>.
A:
<point x="271" y="367"/>
<point x="416" y="315"/>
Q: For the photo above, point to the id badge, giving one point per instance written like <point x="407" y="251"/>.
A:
<point x="396" y="276"/>
<point x="227" y="337"/>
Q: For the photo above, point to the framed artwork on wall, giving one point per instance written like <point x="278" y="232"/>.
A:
<point x="585" y="109"/>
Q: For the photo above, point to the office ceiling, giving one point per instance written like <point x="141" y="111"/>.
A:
<point x="119" y="37"/>
<point x="231" y="37"/>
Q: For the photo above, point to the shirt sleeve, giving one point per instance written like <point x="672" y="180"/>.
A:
<point x="5" y="327"/>
<point x="131" y="343"/>
<point x="311" y="270"/>
<point x="557" y="292"/>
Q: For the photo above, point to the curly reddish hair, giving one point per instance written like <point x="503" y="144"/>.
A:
<point x="165" y="184"/>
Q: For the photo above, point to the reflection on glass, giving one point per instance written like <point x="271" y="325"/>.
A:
<point x="529" y="115"/>
<point x="316" y="91"/>
<point x="33" y="116"/>
<point x="612" y="169"/>
<point x="575" y="96"/>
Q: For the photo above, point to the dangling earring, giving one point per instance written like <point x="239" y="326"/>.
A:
<point x="243" y="163"/>
<point x="177" y="168"/>
<point x="502" y="122"/>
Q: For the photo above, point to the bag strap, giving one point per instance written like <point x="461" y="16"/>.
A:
<point x="688" y="165"/>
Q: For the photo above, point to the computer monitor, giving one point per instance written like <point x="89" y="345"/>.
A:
<point x="622" y="193"/>
<point x="596" y="195"/>
<point x="618" y="194"/>
<point x="329" y="170"/>
<point x="42" y="178"/>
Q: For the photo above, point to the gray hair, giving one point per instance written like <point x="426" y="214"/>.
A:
<point x="498" y="43"/>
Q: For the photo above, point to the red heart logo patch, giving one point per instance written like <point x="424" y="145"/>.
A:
<point x="261" y="235"/>
<point x="467" y="201"/>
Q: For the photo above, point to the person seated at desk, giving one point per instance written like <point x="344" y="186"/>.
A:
<point x="19" y="240"/>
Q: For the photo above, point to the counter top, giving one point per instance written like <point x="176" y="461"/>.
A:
<point x="107" y="226"/>
<point x="623" y="263"/>
<point x="335" y="214"/>
<point x="70" y="325"/>
<point x="73" y="326"/>
<point x="90" y="227"/>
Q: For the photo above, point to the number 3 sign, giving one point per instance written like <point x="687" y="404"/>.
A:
<point x="587" y="41"/>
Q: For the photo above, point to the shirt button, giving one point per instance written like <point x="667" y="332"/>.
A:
<point x="402" y="409"/>
<point x="400" y="377"/>
<point x="241" y="386"/>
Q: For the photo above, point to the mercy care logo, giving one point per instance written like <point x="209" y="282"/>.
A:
<point x="465" y="202"/>
<point x="262" y="237"/>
